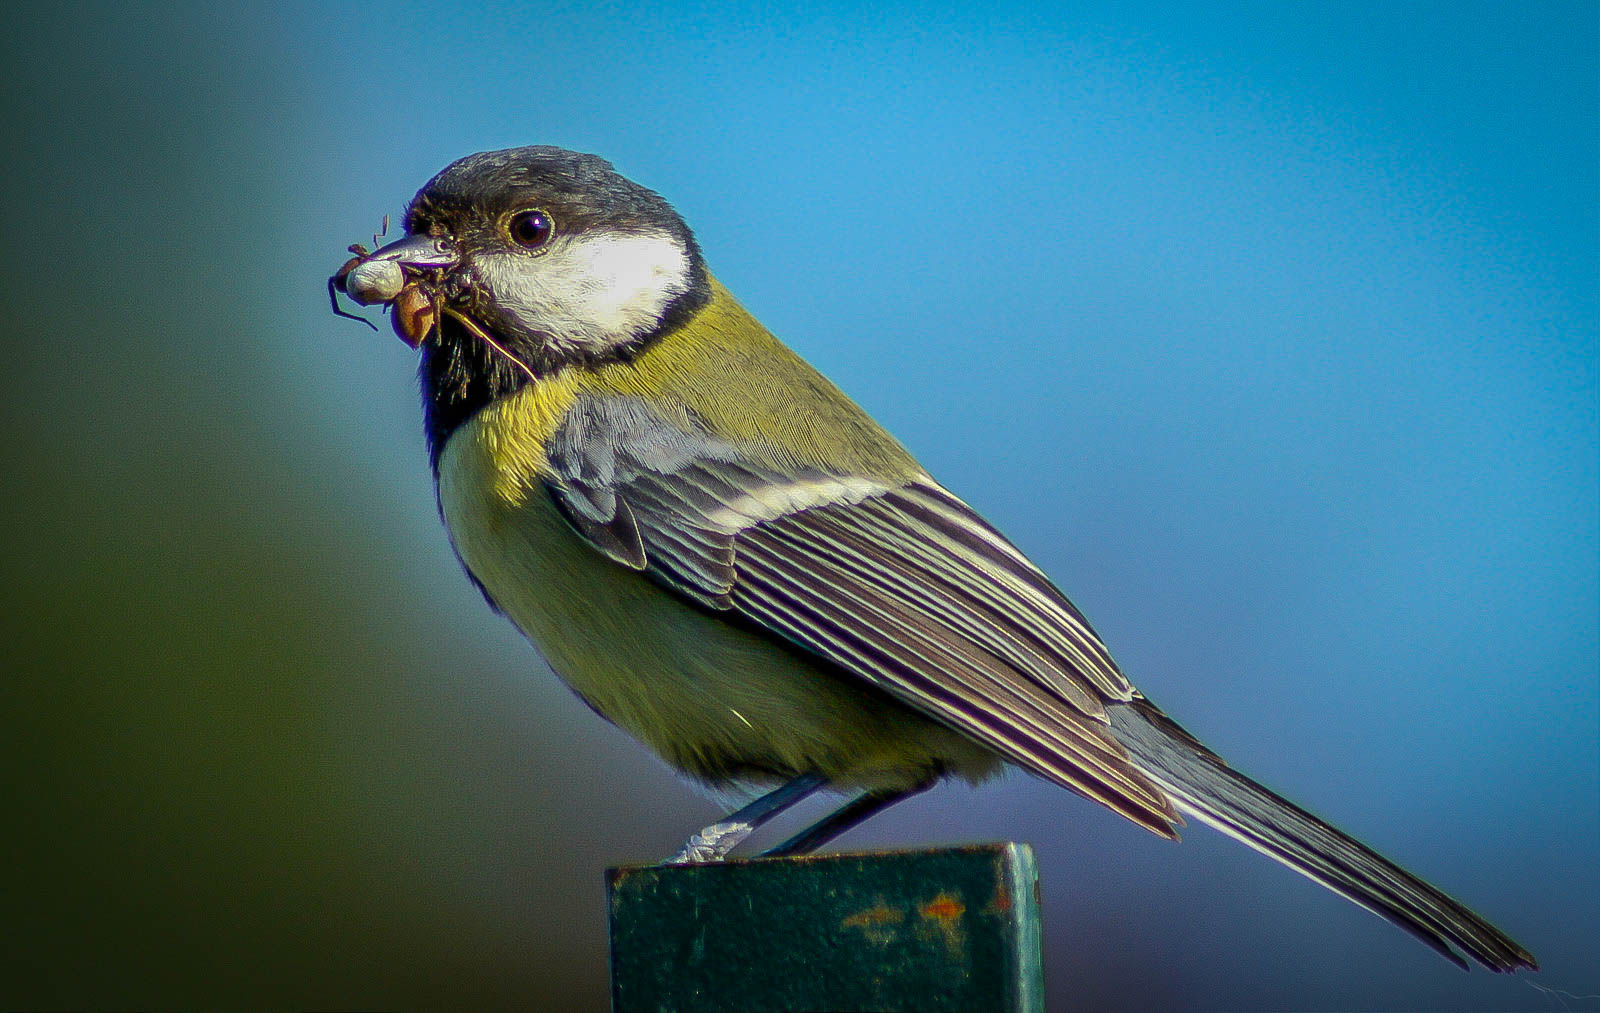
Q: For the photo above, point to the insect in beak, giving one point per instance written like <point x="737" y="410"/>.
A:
<point x="398" y="276"/>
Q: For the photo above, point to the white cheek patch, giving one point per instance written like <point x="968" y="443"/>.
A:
<point x="589" y="293"/>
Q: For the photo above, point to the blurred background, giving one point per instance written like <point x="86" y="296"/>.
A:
<point x="1269" y="330"/>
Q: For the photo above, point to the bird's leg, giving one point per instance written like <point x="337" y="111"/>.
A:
<point x="862" y="808"/>
<point x="721" y="837"/>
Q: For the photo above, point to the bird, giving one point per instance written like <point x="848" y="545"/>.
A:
<point x="720" y="553"/>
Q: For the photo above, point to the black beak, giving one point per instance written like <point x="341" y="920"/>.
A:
<point x="421" y="253"/>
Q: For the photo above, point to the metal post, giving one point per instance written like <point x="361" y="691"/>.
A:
<point x="936" y="931"/>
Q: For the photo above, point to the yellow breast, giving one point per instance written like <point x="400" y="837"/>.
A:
<point x="712" y="698"/>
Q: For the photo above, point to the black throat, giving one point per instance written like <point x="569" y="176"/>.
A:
<point x="461" y="373"/>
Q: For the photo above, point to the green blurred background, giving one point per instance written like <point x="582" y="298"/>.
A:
<point x="1308" y="290"/>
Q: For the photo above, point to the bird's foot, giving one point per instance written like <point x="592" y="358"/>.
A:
<point x="713" y="843"/>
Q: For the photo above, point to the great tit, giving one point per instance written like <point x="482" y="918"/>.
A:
<point x="722" y="554"/>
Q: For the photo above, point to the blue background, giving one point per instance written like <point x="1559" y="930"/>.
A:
<point x="1269" y="330"/>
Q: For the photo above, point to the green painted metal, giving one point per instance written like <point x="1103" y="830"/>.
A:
<point x="935" y="931"/>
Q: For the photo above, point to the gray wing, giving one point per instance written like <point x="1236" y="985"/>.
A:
<point x="903" y="586"/>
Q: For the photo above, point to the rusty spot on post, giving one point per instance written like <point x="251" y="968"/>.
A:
<point x="1000" y="903"/>
<point x="881" y="914"/>
<point x="943" y="907"/>
<point x="874" y="922"/>
<point x="941" y="917"/>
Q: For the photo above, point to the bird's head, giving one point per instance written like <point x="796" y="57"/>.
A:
<point x="516" y="263"/>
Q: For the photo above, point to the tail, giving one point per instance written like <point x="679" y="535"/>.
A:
<point x="1205" y="787"/>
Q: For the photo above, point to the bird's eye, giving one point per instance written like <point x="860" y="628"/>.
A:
<point x="531" y="229"/>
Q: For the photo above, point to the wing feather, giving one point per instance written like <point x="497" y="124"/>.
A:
<point x="957" y="682"/>
<point x="914" y="571"/>
<point x="900" y="584"/>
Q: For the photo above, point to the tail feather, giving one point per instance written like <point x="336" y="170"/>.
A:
<point x="1205" y="787"/>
